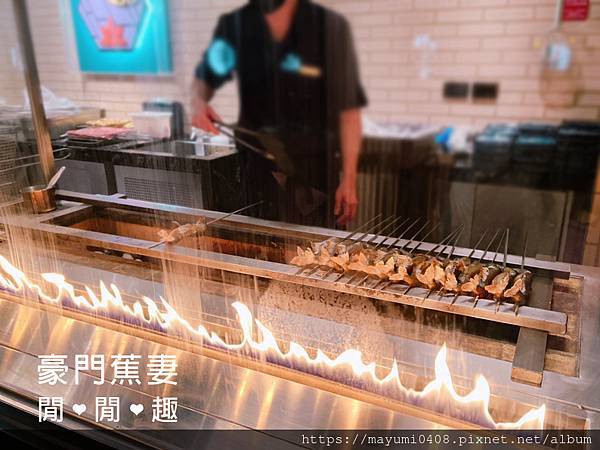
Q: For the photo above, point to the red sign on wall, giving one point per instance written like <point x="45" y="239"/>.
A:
<point x="575" y="10"/>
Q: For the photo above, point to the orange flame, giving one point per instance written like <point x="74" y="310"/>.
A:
<point x="439" y="395"/>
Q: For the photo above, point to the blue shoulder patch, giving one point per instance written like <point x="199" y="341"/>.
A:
<point x="221" y="57"/>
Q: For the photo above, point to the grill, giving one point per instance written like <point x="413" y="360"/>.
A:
<point x="249" y="260"/>
<point x="264" y="251"/>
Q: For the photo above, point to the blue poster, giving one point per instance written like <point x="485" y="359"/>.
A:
<point x="122" y="36"/>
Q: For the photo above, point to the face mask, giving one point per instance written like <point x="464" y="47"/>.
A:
<point x="268" y="6"/>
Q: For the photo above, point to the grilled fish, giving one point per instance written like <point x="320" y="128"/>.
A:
<point x="500" y="282"/>
<point x="521" y="287"/>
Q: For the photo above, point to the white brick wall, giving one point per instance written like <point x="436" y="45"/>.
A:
<point x="491" y="40"/>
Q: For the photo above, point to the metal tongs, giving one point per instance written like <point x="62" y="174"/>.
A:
<point x="275" y="150"/>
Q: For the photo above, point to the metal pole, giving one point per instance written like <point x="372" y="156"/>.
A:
<point x="32" y="80"/>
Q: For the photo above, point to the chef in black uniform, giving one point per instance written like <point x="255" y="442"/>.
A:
<point x="298" y="80"/>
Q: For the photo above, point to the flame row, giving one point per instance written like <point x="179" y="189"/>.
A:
<point x="348" y="368"/>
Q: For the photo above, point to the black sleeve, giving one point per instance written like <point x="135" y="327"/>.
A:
<point x="345" y="73"/>
<point x="220" y="58"/>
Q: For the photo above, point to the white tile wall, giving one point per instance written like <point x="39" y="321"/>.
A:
<point x="493" y="40"/>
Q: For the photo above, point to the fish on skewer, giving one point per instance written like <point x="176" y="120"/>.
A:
<point x="330" y="254"/>
<point x="501" y="281"/>
<point x="434" y="275"/>
<point x="193" y="229"/>
<point x="477" y="274"/>
<point x="368" y="262"/>
<point x="499" y="284"/>
<point x="403" y="260"/>
<point x="405" y="266"/>
<point x="304" y="257"/>
<point x="369" y="253"/>
<point x="378" y="262"/>
<point x="344" y="255"/>
<point x="181" y="231"/>
<point x="488" y="273"/>
<point x="519" y="291"/>
<point x="412" y="274"/>
<point x="407" y="272"/>
<point x="452" y="273"/>
<point x="454" y="270"/>
<point x="470" y="278"/>
<point x="333" y="246"/>
<point x="336" y="256"/>
<point x="383" y="265"/>
<point x="315" y="253"/>
<point x="461" y="275"/>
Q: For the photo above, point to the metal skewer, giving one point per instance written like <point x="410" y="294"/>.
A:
<point x="387" y="283"/>
<point x="401" y="249"/>
<point x="429" y="233"/>
<point x="460" y="229"/>
<point x="395" y="230"/>
<point x="524" y="251"/>
<point x="458" y="235"/>
<point x="499" y="302"/>
<point x="388" y="253"/>
<point x="217" y="219"/>
<point x="506" y="248"/>
<point x="444" y="243"/>
<point x="233" y="212"/>
<point x="416" y="247"/>
<point x="345" y="239"/>
<point x="360" y="239"/>
<point x="381" y="244"/>
<point x="477" y="244"/>
<point x="493" y="260"/>
<point x="489" y="244"/>
<point x="399" y="238"/>
<point x="522" y="264"/>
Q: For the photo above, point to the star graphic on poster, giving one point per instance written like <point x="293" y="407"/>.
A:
<point x="112" y="35"/>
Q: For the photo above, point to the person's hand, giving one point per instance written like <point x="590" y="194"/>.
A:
<point x="346" y="202"/>
<point x="204" y="117"/>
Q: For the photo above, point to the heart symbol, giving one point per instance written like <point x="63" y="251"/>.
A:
<point x="79" y="408"/>
<point x="136" y="408"/>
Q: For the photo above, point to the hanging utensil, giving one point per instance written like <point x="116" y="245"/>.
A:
<point x="274" y="149"/>
<point x="55" y="178"/>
